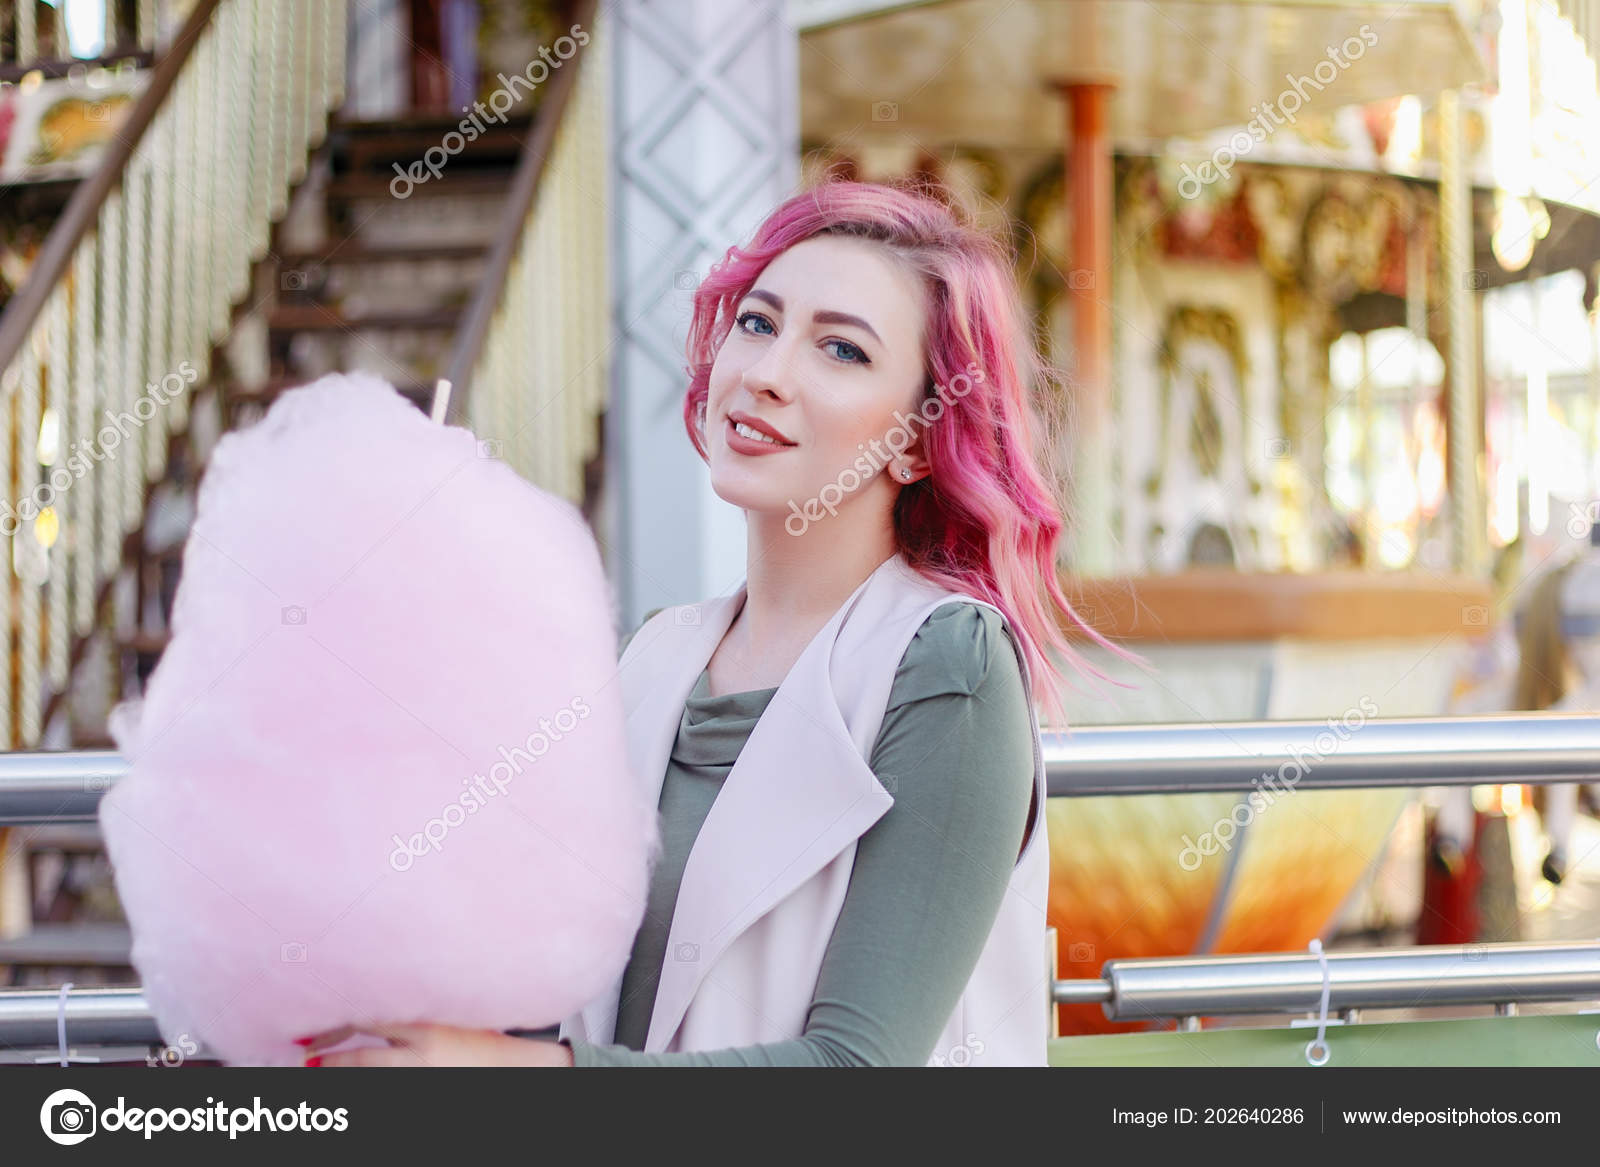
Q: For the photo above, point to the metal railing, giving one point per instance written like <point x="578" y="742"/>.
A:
<point x="1396" y="978"/>
<point x="103" y="344"/>
<point x="1230" y="757"/>
<point x="526" y="369"/>
<point x="1503" y="975"/>
<point x="29" y="1018"/>
<point x="1235" y="757"/>
<point x="55" y="787"/>
<point x="1090" y="762"/>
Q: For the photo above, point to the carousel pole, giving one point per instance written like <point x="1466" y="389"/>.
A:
<point x="1460" y="290"/>
<point x="1089" y="192"/>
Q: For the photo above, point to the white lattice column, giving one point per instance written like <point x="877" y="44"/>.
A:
<point x="704" y="142"/>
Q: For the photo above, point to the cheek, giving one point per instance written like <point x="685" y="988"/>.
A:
<point x="850" y="425"/>
<point x="725" y="370"/>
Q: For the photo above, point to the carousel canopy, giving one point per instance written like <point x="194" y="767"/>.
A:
<point x="984" y="70"/>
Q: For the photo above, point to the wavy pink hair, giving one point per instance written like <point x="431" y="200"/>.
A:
<point x="983" y="520"/>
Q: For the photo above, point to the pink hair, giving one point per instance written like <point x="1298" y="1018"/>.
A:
<point x="984" y="520"/>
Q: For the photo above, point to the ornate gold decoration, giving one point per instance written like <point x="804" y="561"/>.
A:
<point x="1215" y="326"/>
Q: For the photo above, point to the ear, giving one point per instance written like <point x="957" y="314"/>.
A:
<point x="913" y="460"/>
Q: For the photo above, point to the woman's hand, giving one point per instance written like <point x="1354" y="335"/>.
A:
<point x="435" y="1045"/>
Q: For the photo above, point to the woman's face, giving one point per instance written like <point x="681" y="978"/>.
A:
<point x="826" y="347"/>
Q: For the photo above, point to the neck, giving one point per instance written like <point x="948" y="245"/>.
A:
<point x="795" y="583"/>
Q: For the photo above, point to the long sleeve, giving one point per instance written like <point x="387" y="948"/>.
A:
<point x="956" y="751"/>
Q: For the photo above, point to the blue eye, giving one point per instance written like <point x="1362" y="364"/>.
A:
<point x="743" y="316"/>
<point x="860" y="357"/>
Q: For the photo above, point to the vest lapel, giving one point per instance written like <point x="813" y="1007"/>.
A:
<point x="799" y="794"/>
<point x="657" y="674"/>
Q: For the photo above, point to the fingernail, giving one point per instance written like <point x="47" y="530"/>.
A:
<point x="315" y="1061"/>
<point x="304" y="1040"/>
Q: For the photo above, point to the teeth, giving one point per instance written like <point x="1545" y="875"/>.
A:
<point x="757" y="435"/>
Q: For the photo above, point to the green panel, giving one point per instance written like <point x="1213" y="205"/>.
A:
<point x="1565" y="1040"/>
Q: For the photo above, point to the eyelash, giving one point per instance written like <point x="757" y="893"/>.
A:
<point x="743" y="316"/>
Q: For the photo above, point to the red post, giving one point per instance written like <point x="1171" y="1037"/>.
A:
<point x="1089" y="194"/>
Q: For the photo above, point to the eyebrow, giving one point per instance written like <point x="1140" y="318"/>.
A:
<point x="823" y="317"/>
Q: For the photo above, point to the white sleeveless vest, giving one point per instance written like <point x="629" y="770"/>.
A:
<point x="767" y="874"/>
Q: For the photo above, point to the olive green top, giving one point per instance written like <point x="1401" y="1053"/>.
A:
<point x="956" y="752"/>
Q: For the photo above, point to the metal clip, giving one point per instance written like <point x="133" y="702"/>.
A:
<point x="1317" y="1050"/>
<point x="63" y="1054"/>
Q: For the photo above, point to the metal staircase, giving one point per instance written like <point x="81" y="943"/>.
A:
<point x="237" y="240"/>
<point x="242" y="240"/>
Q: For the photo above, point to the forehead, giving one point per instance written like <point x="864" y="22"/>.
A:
<point x="843" y="274"/>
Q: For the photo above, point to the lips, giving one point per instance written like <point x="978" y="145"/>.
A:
<point x="759" y="426"/>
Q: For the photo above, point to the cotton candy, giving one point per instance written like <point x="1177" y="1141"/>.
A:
<point x="379" y="774"/>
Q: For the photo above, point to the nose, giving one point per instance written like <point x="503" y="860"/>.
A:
<point x="771" y="374"/>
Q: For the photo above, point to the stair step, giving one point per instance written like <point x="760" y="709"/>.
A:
<point x="439" y="124"/>
<point x="419" y="393"/>
<point x="353" y="255"/>
<point x="380" y="149"/>
<point x="319" y="318"/>
<point x="458" y="181"/>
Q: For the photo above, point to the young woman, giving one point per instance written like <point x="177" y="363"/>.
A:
<point x="845" y="751"/>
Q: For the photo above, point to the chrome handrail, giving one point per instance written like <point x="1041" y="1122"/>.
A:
<point x="90" y="1017"/>
<point x="1238" y="757"/>
<point x="1393" y="978"/>
<point x="1105" y="760"/>
<point x="40" y="786"/>
<point x="1229" y="757"/>
<point x="1128" y="990"/>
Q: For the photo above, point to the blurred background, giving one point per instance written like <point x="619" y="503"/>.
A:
<point x="1322" y="274"/>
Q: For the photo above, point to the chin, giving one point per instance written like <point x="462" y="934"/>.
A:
<point x="746" y="496"/>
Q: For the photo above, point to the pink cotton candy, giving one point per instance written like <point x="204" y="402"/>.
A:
<point x="379" y="774"/>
